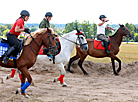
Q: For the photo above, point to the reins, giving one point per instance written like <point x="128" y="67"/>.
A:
<point x="74" y="42"/>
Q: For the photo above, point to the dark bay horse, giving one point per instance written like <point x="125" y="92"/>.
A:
<point x="116" y="40"/>
<point x="29" y="53"/>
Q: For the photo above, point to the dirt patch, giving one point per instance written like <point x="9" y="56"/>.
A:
<point x="101" y="85"/>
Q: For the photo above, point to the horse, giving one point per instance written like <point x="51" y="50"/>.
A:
<point x="30" y="50"/>
<point x="116" y="41"/>
<point x="68" y="42"/>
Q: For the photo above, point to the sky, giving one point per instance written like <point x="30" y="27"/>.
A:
<point x="67" y="11"/>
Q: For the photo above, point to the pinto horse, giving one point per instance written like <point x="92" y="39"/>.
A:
<point x="68" y="42"/>
<point x="116" y="40"/>
<point x="31" y="47"/>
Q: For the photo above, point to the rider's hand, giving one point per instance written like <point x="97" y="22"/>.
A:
<point x="106" y="20"/>
<point x="27" y="30"/>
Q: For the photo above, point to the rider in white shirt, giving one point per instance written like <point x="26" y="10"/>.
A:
<point x="101" y="32"/>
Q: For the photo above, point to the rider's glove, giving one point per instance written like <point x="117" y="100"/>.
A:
<point x="27" y="30"/>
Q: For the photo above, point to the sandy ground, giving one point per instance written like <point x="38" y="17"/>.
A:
<point x="100" y="86"/>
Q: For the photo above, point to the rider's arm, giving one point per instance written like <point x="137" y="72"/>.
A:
<point x="109" y="28"/>
<point x="18" y="29"/>
<point x="100" y="24"/>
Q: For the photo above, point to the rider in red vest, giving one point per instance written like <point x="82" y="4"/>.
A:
<point x="15" y="31"/>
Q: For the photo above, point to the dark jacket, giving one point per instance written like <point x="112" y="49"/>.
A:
<point x="44" y="23"/>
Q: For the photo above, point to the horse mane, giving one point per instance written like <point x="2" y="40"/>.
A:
<point x="35" y="33"/>
<point x="74" y="31"/>
<point x="114" y="33"/>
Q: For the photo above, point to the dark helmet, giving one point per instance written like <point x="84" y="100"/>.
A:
<point x="25" y="13"/>
<point x="49" y="14"/>
<point x="102" y="16"/>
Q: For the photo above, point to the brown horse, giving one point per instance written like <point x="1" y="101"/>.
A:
<point x="31" y="47"/>
<point x="116" y="40"/>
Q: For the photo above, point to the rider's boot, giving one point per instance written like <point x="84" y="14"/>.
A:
<point x="106" y="48"/>
<point x="7" y="55"/>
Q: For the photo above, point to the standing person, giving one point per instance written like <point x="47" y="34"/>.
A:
<point x="44" y="24"/>
<point x="101" y="32"/>
<point x="12" y="38"/>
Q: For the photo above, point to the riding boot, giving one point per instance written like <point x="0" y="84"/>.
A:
<point x="106" y="48"/>
<point x="7" y="55"/>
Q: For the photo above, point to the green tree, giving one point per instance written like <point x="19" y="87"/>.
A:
<point x="71" y="26"/>
<point x="85" y="27"/>
<point x="9" y="26"/>
<point x="136" y="37"/>
<point x="33" y="29"/>
<point x="2" y="28"/>
<point x="94" y="30"/>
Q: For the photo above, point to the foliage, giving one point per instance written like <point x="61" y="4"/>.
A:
<point x="89" y="30"/>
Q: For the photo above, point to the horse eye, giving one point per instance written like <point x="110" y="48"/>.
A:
<point x="81" y="37"/>
<point x="124" y="29"/>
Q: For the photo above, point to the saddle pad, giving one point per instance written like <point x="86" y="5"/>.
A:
<point x="98" y="44"/>
<point x="4" y="47"/>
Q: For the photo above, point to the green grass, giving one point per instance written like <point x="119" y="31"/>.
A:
<point x="127" y="54"/>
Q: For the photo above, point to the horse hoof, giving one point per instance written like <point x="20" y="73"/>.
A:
<point x="63" y="84"/>
<point x="56" y="79"/>
<point x="25" y="95"/>
<point x="116" y="74"/>
<point x="70" y="71"/>
<point x="18" y="91"/>
<point x="86" y="74"/>
<point x="8" y="77"/>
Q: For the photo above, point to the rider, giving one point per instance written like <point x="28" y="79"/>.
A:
<point x="101" y="32"/>
<point x="15" y="31"/>
<point x="44" y="24"/>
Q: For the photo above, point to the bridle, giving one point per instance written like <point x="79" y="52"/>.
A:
<point x="80" y="43"/>
<point x="50" y="47"/>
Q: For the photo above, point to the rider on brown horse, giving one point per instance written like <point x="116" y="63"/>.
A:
<point x="101" y="32"/>
<point x="15" y="31"/>
<point x="44" y="24"/>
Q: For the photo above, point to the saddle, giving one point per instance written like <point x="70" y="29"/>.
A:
<point x="99" y="44"/>
<point x="45" y="51"/>
<point x="5" y="45"/>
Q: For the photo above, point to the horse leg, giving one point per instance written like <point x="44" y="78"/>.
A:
<point x="119" y="61"/>
<point x="11" y="75"/>
<point x="24" y="85"/>
<point x="63" y="73"/>
<point x="113" y="65"/>
<point x="72" y="60"/>
<point x="80" y="64"/>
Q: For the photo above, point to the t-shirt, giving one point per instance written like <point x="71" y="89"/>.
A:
<point x="101" y="29"/>
<point x="19" y="23"/>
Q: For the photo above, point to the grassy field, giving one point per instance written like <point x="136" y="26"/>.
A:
<point x="127" y="54"/>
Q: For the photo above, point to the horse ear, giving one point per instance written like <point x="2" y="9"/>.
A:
<point x="77" y="30"/>
<point x="121" y="25"/>
<point x="48" y="29"/>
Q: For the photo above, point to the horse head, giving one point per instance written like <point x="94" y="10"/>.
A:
<point x="49" y="42"/>
<point x="81" y="41"/>
<point x="124" y="31"/>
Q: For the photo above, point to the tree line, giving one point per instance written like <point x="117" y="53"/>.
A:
<point x="89" y="30"/>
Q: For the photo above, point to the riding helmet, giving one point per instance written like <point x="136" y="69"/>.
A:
<point x="102" y="16"/>
<point x="49" y="14"/>
<point x="25" y="13"/>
